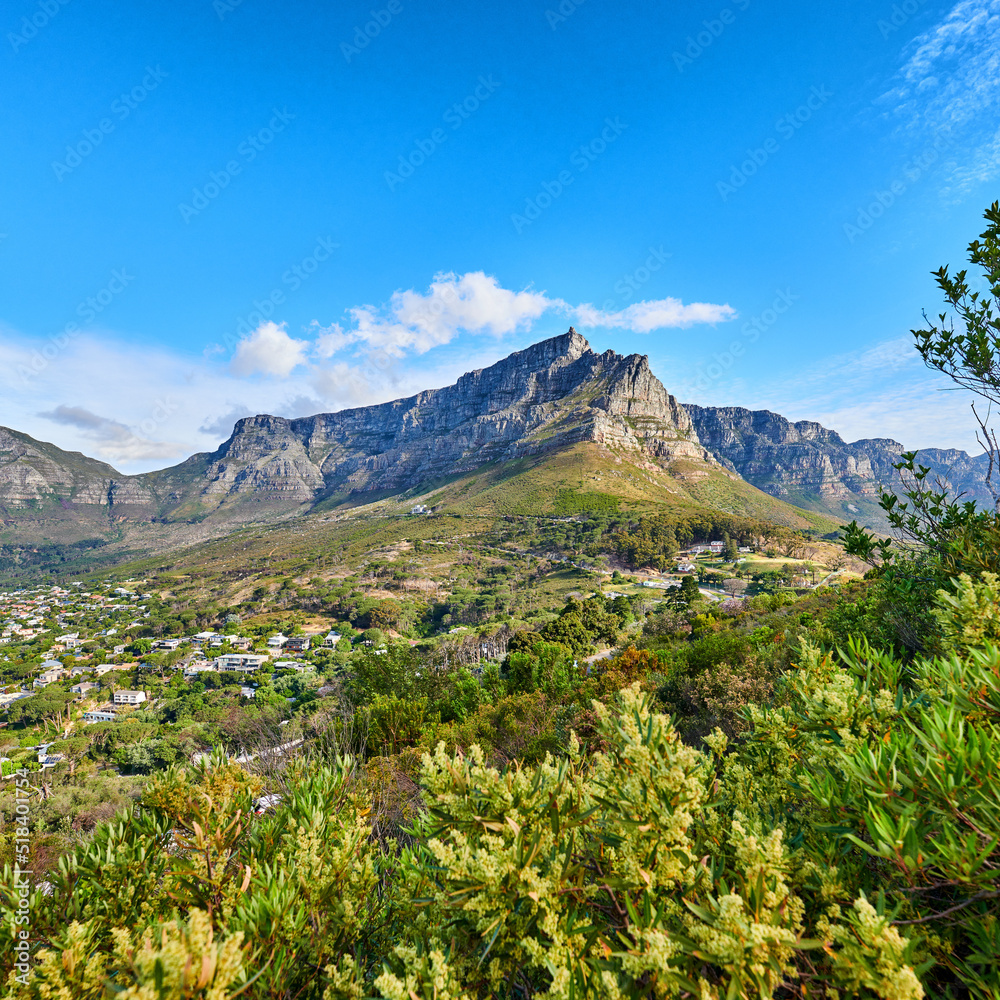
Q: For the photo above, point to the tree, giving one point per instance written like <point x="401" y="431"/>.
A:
<point x="730" y="550"/>
<point x="970" y="357"/>
<point x="46" y="706"/>
<point x="734" y="588"/>
<point x="385" y="614"/>
<point x="938" y="537"/>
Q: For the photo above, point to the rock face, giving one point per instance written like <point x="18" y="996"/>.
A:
<point x="33" y="473"/>
<point x="811" y="466"/>
<point x="555" y="393"/>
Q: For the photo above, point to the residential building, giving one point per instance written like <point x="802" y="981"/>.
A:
<point x="246" y="663"/>
<point x="84" y="689"/>
<point x="100" y="715"/>
<point x="169" y="644"/>
<point x="277" y="641"/>
<point x="125" y="697"/>
<point x="331" y="640"/>
<point x="196" y="667"/>
<point x="103" y="668"/>
<point x="293" y="665"/>
<point x="420" y="508"/>
<point x="297" y="644"/>
<point x="49" y="676"/>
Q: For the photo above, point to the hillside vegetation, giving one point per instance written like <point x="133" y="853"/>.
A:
<point x="590" y="788"/>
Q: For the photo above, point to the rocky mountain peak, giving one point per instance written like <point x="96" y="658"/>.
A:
<point x="551" y="395"/>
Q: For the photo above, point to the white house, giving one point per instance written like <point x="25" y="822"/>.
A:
<point x="331" y="640"/>
<point x="103" y="668"/>
<point x="166" y="644"/>
<point x="100" y="715"/>
<point x="420" y="508"/>
<point x="246" y="663"/>
<point x="84" y="689"/>
<point x="124" y="697"/>
<point x="686" y="567"/>
<point x="277" y="641"/>
<point x="196" y="667"/>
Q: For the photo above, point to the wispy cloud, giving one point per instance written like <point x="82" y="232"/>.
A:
<point x="949" y="81"/>
<point x="656" y="314"/>
<point x="883" y="391"/>
<point x="112" y="439"/>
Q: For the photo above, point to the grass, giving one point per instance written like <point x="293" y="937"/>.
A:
<point x="500" y="504"/>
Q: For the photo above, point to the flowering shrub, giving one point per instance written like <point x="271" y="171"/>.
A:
<point x="843" y="843"/>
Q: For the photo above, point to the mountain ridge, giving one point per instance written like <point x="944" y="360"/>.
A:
<point x="554" y="395"/>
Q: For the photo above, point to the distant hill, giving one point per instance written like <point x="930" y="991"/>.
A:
<point x="524" y="421"/>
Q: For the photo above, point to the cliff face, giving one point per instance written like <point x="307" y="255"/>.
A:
<point x="33" y="473"/>
<point x="555" y="393"/>
<point x="812" y="466"/>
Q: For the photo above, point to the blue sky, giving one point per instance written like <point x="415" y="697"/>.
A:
<point x="210" y="209"/>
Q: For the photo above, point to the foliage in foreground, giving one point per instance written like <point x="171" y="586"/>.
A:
<point x="848" y="845"/>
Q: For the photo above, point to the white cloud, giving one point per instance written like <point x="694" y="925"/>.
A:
<point x="475" y="303"/>
<point x="329" y="339"/>
<point x="656" y="314"/>
<point x="471" y="303"/>
<point x="168" y="404"/>
<point x="268" y="351"/>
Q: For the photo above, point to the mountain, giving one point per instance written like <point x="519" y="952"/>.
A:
<point x="537" y="402"/>
<point x="814" y="468"/>
<point x="551" y="395"/>
<point x="546" y="422"/>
